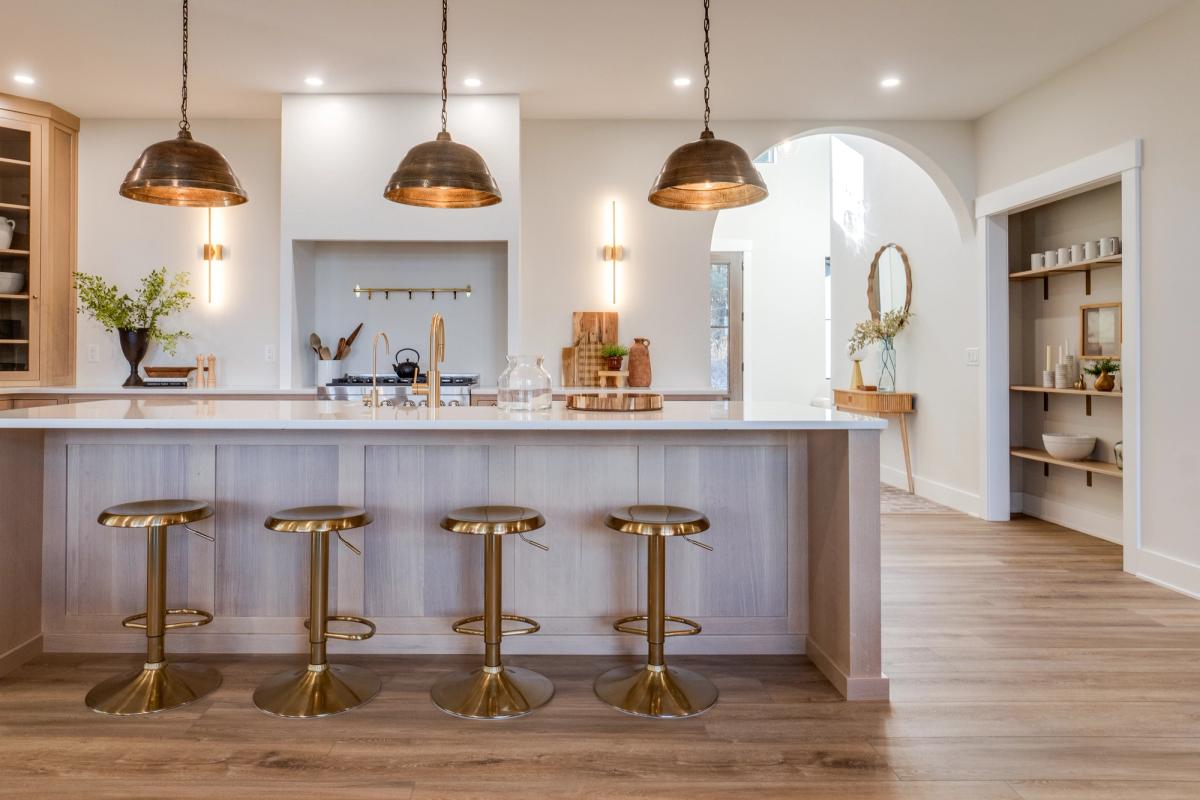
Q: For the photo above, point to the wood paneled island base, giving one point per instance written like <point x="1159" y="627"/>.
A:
<point x="792" y="493"/>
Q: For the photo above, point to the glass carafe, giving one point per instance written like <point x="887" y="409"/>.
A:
<point x="524" y="385"/>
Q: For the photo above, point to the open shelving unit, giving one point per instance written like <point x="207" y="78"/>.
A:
<point x="1087" y="465"/>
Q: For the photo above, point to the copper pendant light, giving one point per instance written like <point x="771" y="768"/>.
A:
<point x="182" y="171"/>
<point x="443" y="173"/>
<point x="710" y="173"/>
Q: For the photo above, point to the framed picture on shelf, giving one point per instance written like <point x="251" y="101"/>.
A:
<point x="1100" y="330"/>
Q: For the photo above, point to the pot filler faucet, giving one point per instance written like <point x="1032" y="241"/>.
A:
<point x="432" y="386"/>
<point x="373" y="398"/>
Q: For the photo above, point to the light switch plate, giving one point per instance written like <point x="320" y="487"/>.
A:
<point x="93" y="353"/>
<point x="972" y="356"/>
<point x="269" y="353"/>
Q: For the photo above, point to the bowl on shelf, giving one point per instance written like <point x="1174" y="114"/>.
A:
<point x="169" y="372"/>
<point x="11" y="282"/>
<point x="1069" y="446"/>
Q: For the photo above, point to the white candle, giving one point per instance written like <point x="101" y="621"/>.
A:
<point x="1047" y="358"/>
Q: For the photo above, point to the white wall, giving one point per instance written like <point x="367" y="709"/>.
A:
<point x="1140" y="87"/>
<point x="785" y="239"/>
<point x="572" y="170"/>
<point x="123" y="240"/>
<point x="476" y="326"/>
<point x="338" y="152"/>
<point x="902" y="204"/>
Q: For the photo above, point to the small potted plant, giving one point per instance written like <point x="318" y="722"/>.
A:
<point x="137" y="320"/>
<point x="614" y="354"/>
<point x="1104" y="369"/>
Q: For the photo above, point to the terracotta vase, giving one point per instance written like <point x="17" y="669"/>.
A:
<point x="1105" y="382"/>
<point x="639" y="363"/>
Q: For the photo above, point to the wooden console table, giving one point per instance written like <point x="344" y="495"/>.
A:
<point x="881" y="404"/>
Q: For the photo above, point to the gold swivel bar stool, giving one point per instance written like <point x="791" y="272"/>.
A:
<point x="494" y="691"/>
<point x="158" y="686"/>
<point x="657" y="690"/>
<point x="321" y="688"/>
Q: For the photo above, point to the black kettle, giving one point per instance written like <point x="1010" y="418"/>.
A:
<point x="407" y="370"/>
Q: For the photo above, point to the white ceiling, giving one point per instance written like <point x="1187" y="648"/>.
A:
<point x="566" y="58"/>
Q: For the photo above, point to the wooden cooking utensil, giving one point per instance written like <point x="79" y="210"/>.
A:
<point x="314" y="342"/>
<point x="341" y="349"/>
<point x="353" y="335"/>
<point x="326" y="353"/>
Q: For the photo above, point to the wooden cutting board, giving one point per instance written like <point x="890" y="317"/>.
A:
<point x="590" y="327"/>
<point x="588" y="362"/>
<point x="568" y="367"/>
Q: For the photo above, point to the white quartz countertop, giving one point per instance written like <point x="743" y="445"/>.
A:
<point x="233" y="414"/>
<point x="230" y="391"/>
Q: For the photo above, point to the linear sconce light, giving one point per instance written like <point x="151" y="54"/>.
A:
<point x="614" y="252"/>
<point x="386" y="291"/>
<point x="211" y="252"/>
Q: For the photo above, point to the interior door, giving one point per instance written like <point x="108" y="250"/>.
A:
<point x="726" y="318"/>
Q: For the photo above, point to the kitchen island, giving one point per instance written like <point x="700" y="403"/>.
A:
<point x="792" y="493"/>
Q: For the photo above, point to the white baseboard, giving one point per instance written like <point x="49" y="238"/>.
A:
<point x="1102" y="526"/>
<point x="1168" y="572"/>
<point x="20" y="654"/>
<point x="940" y="493"/>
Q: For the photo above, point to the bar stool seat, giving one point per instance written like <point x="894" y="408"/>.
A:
<point x="321" y="688"/>
<point x="494" y="691"/>
<point x="159" y="685"/>
<point x="656" y="689"/>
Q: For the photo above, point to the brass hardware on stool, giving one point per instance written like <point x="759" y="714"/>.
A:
<point x="159" y="685"/>
<point x="494" y="691"/>
<point x="655" y="689"/>
<point x="321" y="688"/>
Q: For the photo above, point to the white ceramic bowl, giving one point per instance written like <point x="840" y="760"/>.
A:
<point x="11" y="282"/>
<point x="1069" y="446"/>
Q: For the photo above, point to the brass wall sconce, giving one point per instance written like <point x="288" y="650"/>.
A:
<point x="386" y="291"/>
<point x="614" y="252"/>
<point x="211" y="252"/>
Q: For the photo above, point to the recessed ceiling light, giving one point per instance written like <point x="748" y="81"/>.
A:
<point x="890" y="82"/>
<point x="26" y="79"/>
<point x="472" y="83"/>
<point x="681" y="82"/>
<point x="313" y="80"/>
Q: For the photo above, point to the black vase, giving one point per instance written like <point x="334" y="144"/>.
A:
<point x="134" y="344"/>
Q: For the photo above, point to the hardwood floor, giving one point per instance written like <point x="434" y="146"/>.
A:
<point x="1025" y="666"/>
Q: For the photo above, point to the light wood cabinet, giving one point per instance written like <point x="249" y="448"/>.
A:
<point x="38" y="166"/>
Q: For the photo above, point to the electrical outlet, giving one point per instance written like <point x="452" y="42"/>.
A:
<point x="93" y="353"/>
<point x="269" y="353"/>
<point x="972" y="356"/>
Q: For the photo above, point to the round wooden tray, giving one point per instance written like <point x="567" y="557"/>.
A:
<point x="631" y="401"/>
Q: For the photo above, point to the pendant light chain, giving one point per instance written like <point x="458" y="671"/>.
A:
<point x="445" y="50"/>
<point x="184" y="125"/>
<point x="707" y="112"/>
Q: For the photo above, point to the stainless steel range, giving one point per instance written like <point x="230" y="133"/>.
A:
<point x="456" y="389"/>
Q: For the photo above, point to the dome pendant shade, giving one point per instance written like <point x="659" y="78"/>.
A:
<point x="183" y="172"/>
<point x="443" y="174"/>
<point x="707" y="175"/>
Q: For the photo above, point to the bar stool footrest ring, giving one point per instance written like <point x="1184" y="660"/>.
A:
<point x="205" y="618"/>
<point x="623" y="625"/>
<point x="348" y="637"/>
<point x="531" y="625"/>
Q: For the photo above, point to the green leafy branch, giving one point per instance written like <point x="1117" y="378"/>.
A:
<point x="1103" y="365"/>
<point x="155" y="299"/>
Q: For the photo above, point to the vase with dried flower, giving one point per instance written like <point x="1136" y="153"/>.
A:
<point x="884" y="331"/>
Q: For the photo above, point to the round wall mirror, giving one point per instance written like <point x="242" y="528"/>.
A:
<point x="889" y="286"/>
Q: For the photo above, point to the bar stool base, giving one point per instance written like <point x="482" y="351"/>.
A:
<point x="306" y="694"/>
<point x="149" y="691"/>
<point x="479" y="694"/>
<point x="665" y="693"/>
